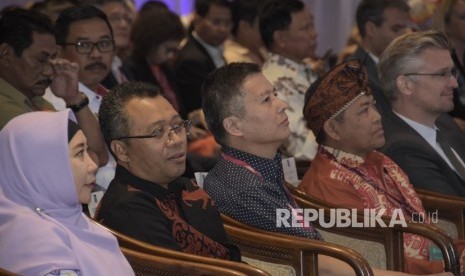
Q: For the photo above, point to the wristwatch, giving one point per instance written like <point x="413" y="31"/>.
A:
<point x="80" y="105"/>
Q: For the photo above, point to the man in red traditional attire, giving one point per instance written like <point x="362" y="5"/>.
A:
<point x="347" y="170"/>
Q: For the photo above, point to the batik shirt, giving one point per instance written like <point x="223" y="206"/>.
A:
<point x="250" y="189"/>
<point x="373" y="182"/>
<point x="291" y="80"/>
<point x="181" y="217"/>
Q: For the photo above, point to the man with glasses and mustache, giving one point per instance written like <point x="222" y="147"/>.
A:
<point x="418" y="77"/>
<point x="85" y="37"/>
<point x="29" y="64"/>
<point x="147" y="199"/>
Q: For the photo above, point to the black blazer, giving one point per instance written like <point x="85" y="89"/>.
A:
<point x="192" y="66"/>
<point x="424" y="166"/>
<point x="110" y="80"/>
<point x="382" y="102"/>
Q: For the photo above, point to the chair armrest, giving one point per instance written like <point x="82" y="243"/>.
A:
<point x="143" y="247"/>
<point x="391" y="237"/>
<point x="300" y="253"/>
<point x="146" y="264"/>
<point x="450" y="208"/>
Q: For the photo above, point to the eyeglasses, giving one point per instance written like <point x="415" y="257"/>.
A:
<point x="86" y="47"/>
<point x="183" y="127"/>
<point x="445" y="75"/>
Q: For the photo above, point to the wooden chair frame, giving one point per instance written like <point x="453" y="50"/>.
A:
<point x="390" y="237"/>
<point x="143" y="247"/>
<point x="450" y="208"/>
<point x="300" y="253"/>
<point x="147" y="264"/>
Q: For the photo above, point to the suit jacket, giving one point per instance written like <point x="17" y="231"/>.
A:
<point x="110" y="80"/>
<point x="424" y="166"/>
<point x="192" y="66"/>
<point x="382" y="102"/>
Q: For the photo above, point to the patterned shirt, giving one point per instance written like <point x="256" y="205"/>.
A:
<point x="291" y="80"/>
<point x="250" y="189"/>
<point x="373" y="182"/>
<point x="180" y="217"/>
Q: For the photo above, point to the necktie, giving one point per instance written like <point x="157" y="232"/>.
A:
<point x="442" y="141"/>
<point x="101" y="90"/>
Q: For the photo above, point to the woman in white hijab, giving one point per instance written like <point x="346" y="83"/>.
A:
<point x="45" y="175"/>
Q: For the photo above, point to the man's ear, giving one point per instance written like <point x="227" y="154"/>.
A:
<point x="280" y="38"/>
<point x="370" y="29"/>
<point x="119" y="148"/>
<point x="6" y="53"/>
<point x="331" y="130"/>
<point x="404" y="85"/>
<point x="196" y="20"/>
<point x="232" y="125"/>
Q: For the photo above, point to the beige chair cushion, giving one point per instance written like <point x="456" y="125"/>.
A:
<point x="271" y="268"/>
<point x="373" y="252"/>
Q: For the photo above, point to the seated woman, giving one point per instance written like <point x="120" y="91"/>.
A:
<point x="45" y="175"/>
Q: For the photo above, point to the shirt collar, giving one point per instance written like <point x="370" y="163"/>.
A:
<point x="150" y="187"/>
<point x="13" y="93"/>
<point x="270" y="169"/>
<point x="373" y="57"/>
<point x="345" y="158"/>
<point x="210" y="49"/>
<point x="297" y="67"/>
<point x="428" y="133"/>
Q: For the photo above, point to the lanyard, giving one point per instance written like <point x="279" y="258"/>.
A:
<point x="246" y="165"/>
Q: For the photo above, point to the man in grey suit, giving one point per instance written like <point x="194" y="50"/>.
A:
<point x="417" y="76"/>
<point x="379" y="22"/>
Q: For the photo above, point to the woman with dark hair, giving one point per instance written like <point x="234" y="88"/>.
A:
<point x="155" y="36"/>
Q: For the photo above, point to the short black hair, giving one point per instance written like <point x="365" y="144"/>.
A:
<point x="275" y="16"/>
<point x="18" y="25"/>
<point x="113" y="119"/>
<point x="222" y="95"/>
<point x="372" y="11"/>
<point x="202" y="7"/>
<point x="246" y="10"/>
<point x="73" y="14"/>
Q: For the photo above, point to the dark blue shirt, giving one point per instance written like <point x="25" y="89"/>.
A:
<point x="250" y="189"/>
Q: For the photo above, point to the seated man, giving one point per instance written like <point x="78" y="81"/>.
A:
<point x="147" y="199"/>
<point x="418" y="77"/>
<point x="249" y="121"/>
<point x="347" y="171"/>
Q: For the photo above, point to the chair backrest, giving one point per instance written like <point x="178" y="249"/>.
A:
<point x="390" y="237"/>
<point x="451" y="211"/>
<point x="300" y="253"/>
<point x="146" y="264"/>
<point x="143" y="247"/>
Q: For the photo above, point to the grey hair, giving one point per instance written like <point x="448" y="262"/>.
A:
<point x="403" y="54"/>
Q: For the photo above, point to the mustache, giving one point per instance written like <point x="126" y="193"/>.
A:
<point x="45" y="82"/>
<point x="96" y="65"/>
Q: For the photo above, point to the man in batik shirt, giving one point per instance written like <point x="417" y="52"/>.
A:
<point x="347" y="170"/>
<point x="289" y="35"/>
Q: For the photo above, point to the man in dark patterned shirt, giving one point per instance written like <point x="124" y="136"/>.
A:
<point x="250" y="122"/>
<point x="147" y="199"/>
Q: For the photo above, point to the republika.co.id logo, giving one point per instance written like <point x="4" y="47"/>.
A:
<point x="340" y="217"/>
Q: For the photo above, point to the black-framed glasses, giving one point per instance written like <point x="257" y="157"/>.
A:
<point x="183" y="127"/>
<point x="444" y="75"/>
<point x="85" y="47"/>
